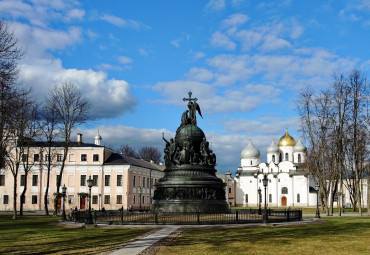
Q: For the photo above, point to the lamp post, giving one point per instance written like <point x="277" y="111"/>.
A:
<point x="90" y="184"/>
<point x="265" y="183"/>
<point x="64" y="190"/>
<point x="339" y="202"/>
<point x="140" y="198"/>
<point x="259" y="200"/>
<point x="317" y="188"/>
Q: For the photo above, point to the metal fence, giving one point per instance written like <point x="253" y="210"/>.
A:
<point x="233" y="217"/>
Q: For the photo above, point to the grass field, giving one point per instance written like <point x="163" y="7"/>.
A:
<point x="334" y="236"/>
<point x="38" y="235"/>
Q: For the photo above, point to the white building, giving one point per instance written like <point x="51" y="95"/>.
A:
<point x="290" y="183"/>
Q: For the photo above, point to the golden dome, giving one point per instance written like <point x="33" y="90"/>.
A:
<point x="287" y="140"/>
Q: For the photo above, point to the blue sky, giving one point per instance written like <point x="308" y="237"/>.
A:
<point x="245" y="61"/>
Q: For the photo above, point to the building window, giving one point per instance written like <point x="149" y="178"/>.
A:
<point x="229" y="190"/>
<point x="147" y="182"/>
<point x="119" y="199"/>
<point x="298" y="198"/>
<point x="95" y="180"/>
<point x="47" y="157"/>
<point x="251" y="162"/>
<point x="143" y="182"/>
<point x="35" y="180"/>
<point x="23" y="180"/>
<point x="34" y="199"/>
<point x="299" y="158"/>
<point x="59" y="157"/>
<point x="250" y="181"/>
<point x="269" y="180"/>
<point x="119" y="180"/>
<point x="155" y="181"/>
<point x="96" y="157"/>
<point x="83" y="180"/>
<point x="71" y="199"/>
<point x="107" y="180"/>
<point x="106" y="199"/>
<point x="260" y="180"/>
<point x="143" y="200"/>
<point x="83" y="157"/>
<point x="286" y="156"/>
<point x="273" y="158"/>
<point x="134" y="199"/>
<point x="278" y="180"/>
<point x="2" y="180"/>
<point x="6" y="199"/>
<point x="94" y="199"/>
<point x="36" y="157"/>
<point x="24" y="157"/>
<point x="270" y="198"/>
<point x="284" y="190"/>
<point x="134" y="181"/>
<point x="246" y="198"/>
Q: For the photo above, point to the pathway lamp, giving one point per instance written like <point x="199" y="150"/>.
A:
<point x="140" y="191"/>
<point x="317" y="188"/>
<point x="340" y="202"/>
<point x="259" y="200"/>
<point x="64" y="190"/>
<point x="90" y="184"/>
<point x="265" y="183"/>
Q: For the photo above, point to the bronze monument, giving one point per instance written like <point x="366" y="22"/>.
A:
<point x="190" y="183"/>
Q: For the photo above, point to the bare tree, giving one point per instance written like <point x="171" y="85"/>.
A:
<point x="128" y="151"/>
<point x="49" y="148"/>
<point x="29" y="118"/>
<point x="71" y="110"/>
<point x="150" y="154"/>
<point x="9" y="95"/>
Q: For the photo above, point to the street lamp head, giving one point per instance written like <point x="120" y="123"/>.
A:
<point x="317" y="186"/>
<point x="90" y="182"/>
<point x="265" y="180"/>
<point x="64" y="190"/>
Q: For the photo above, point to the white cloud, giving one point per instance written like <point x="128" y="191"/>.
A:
<point x="176" y="42"/>
<point x="220" y="40"/>
<point x="45" y="73"/>
<point x="273" y="43"/>
<point x="106" y="66"/>
<point x="143" y="52"/>
<point x="74" y="14"/>
<point x="215" y="5"/>
<point x="120" y="22"/>
<point x="235" y="20"/>
<point x="200" y="74"/>
<point x="125" y="60"/>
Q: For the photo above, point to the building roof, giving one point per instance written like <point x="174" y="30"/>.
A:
<point x="119" y="159"/>
<point x="273" y="148"/>
<point x="61" y="144"/>
<point x="287" y="140"/>
<point x="250" y="151"/>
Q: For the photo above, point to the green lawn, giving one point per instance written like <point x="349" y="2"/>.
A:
<point x="334" y="236"/>
<point x="37" y="235"/>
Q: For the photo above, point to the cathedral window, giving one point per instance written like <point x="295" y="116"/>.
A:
<point x="299" y="158"/>
<point x="298" y="198"/>
<point x="284" y="190"/>
<point x="270" y="198"/>
<point x="286" y="156"/>
<point x="251" y="162"/>
<point x="273" y="158"/>
<point x="246" y="198"/>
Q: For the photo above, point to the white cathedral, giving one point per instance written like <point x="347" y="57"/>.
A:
<point x="290" y="184"/>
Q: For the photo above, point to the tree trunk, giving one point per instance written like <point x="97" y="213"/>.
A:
<point x="15" y="197"/>
<point x="368" y="194"/>
<point x="23" y="194"/>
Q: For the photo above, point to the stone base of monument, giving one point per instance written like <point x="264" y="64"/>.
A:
<point x="190" y="188"/>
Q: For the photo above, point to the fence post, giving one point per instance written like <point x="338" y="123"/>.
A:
<point x="237" y="216"/>
<point x="156" y="217"/>
<point x="288" y="215"/>
<point x="198" y="217"/>
<point x="121" y="215"/>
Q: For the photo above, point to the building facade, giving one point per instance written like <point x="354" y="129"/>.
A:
<point x="119" y="181"/>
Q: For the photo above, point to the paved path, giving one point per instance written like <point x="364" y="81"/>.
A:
<point x="140" y="245"/>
